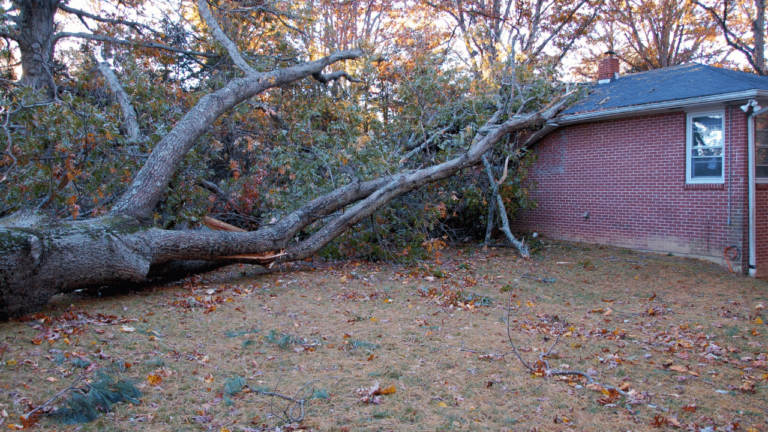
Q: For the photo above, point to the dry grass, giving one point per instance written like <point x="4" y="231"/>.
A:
<point x="644" y="321"/>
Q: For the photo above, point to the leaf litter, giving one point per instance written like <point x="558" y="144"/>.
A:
<point x="672" y="343"/>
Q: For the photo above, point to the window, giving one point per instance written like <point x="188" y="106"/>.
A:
<point x="761" y="148"/>
<point x="704" y="161"/>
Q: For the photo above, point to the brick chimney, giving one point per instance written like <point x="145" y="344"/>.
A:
<point x="608" y="69"/>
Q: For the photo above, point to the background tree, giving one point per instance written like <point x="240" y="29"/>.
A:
<point x="742" y="24"/>
<point x="652" y="34"/>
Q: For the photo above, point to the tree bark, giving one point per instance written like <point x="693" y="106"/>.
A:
<point x="36" y="31"/>
<point x="133" y="132"/>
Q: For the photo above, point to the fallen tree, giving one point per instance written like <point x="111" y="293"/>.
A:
<point x="41" y="256"/>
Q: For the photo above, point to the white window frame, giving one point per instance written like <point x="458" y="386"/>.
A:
<point x="758" y="180"/>
<point x="689" y="147"/>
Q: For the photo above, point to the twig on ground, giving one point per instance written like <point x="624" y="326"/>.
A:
<point x="80" y="378"/>
<point x="549" y="372"/>
<point x="299" y="398"/>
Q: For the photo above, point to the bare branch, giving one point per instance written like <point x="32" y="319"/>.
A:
<point x="129" y="114"/>
<point x="222" y="38"/>
<point x="502" y="210"/>
<point x="134" y="43"/>
<point x="83" y="14"/>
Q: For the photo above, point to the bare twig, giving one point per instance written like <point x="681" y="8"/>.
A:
<point x="549" y="372"/>
<point x="80" y="378"/>
<point x="299" y="398"/>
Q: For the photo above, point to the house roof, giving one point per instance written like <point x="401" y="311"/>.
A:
<point x="677" y="83"/>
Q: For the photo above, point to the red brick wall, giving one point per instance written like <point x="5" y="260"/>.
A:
<point x="629" y="174"/>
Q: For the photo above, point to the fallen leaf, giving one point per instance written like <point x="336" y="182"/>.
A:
<point x="208" y="378"/>
<point x="678" y="368"/>
<point x="442" y="404"/>
<point x="659" y="421"/>
<point x="127" y="329"/>
<point x="388" y="390"/>
<point x="154" y="380"/>
<point x="51" y="379"/>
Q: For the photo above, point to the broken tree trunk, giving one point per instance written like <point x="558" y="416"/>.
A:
<point x="41" y="256"/>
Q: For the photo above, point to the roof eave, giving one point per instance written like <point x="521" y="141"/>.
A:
<point x="652" y="108"/>
<point x="659" y="106"/>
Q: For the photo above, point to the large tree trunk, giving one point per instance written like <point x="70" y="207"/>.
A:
<point x="36" y="29"/>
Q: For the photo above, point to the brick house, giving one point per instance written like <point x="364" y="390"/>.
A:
<point x="671" y="160"/>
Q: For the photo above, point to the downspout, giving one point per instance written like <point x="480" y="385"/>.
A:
<point x="751" y="186"/>
<point x="752" y="193"/>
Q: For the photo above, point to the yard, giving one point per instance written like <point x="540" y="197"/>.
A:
<point x="682" y="339"/>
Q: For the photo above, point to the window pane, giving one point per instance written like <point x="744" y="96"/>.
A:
<point x="707" y="167"/>
<point x="708" y="131"/>
<point x="761" y="136"/>
<point x="762" y="171"/>
<point x="761" y="122"/>
<point x="706" y="151"/>
<point x="761" y="154"/>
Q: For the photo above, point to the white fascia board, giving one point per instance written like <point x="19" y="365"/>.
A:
<point x="654" y="108"/>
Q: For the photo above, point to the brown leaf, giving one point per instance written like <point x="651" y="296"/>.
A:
<point x="154" y="380"/>
<point x="690" y="408"/>
<point x="659" y="421"/>
<point x="611" y="396"/>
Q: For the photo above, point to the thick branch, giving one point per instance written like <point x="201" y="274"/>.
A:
<point x="219" y="245"/>
<point x="406" y="182"/>
<point x="151" y="181"/>
<point x="502" y="209"/>
<point x="222" y="38"/>
<point x="129" y="114"/>
<point x="326" y="78"/>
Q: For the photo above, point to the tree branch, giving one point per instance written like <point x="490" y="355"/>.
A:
<point x="129" y="114"/>
<point x="406" y="182"/>
<point x="325" y="79"/>
<point x="83" y="14"/>
<point x="502" y="209"/>
<point x="222" y="38"/>
<point x="151" y="181"/>
<point x="109" y="39"/>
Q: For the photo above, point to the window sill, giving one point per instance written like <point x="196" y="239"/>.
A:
<point x="704" y="186"/>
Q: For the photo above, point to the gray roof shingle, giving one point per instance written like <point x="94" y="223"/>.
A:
<point x="685" y="81"/>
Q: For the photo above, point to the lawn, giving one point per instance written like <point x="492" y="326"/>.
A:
<point x="682" y="339"/>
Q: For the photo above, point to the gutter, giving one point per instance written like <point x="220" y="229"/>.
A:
<point x="679" y="103"/>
